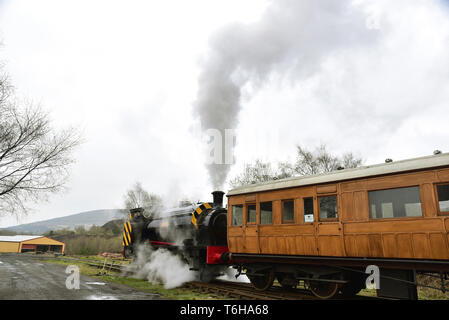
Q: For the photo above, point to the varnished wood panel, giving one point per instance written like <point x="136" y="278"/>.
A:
<point x="395" y="225"/>
<point x="310" y="247"/>
<point x="286" y="194"/>
<point x="387" y="182"/>
<point x="276" y="218"/>
<point x="251" y="231"/>
<point x="421" y="246"/>
<point x="361" y="207"/>
<point x="347" y="212"/>
<point x="438" y="243"/>
<point x="389" y="245"/>
<point x="264" y="245"/>
<point x="328" y="229"/>
<point x="364" y="245"/>
<point x="443" y="175"/>
<point x="398" y="181"/>
<point x="350" y="246"/>
<point x="353" y="186"/>
<point x="285" y="230"/>
<point x="281" y="247"/>
<point x="375" y="245"/>
<point x="235" y="231"/>
<point x="404" y="245"/>
<point x="326" y="189"/>
<point x="428" y="200"/>
<point x="268" y="245"/>
<point x="251" y="244"/>
<point x="330" y="246"/>
<point x="251" y="198"/>
<point x="237" y="244"/>
<point x="290" y="245"/>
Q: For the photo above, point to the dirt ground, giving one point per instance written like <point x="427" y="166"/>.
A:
<point x="23" y="277"/>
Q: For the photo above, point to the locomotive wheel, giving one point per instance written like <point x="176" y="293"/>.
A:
<point x="262" y="282"/>
<point x="323" y="290"/>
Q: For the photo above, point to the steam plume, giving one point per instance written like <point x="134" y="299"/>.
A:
<point x="160" y="267"/>
<point x="289" y="41"/>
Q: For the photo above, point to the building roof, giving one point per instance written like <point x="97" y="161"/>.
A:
<point x="434" y="161"/>
<point x="18" y="238"/>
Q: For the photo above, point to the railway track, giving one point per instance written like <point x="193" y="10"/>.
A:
<point x="245" y="291"/>
<point x="109" y="266"/>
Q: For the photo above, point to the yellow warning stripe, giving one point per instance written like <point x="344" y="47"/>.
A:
<point x="127" y="229"/>
<point x="198" y="211"/>
<point x="128" y="232"/>
<point x="125" y="239"/>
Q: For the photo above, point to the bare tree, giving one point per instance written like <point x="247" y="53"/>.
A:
<point x="138" y="197"/>
<point x="306" y="163"/>
<point x="34" y="158"/>
<point x="316" y="162"/>
<point x="257" y="172"/>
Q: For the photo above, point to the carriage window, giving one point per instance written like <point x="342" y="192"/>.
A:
<point x="328" y="207"/>
<point x="251" y="217"/>
<point x="308" y="209"/>
<point x="288" y="209"/>
<point x="237" y="215"/>
<point x="443" y="197"/>
<point x="266" y="212"/>
<point x="395" y="203"/>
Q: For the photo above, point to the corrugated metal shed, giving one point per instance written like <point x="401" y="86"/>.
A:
<point x="23" y="243"/>
<point x="18" y="238"/>
<point x="434" y="161"/>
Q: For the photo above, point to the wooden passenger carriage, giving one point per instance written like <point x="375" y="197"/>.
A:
<point x="331" y="226"/>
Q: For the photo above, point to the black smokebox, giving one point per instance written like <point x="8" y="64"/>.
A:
<point x="218" y="198"/>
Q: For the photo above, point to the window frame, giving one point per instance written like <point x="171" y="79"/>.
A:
<point x="319" y="208"/>
<point x="396" y="218"/>
<point x="232" y="214"/>
<point x="303" y="211"/>
<point x="260" y="213"/>
<point x="246" y="210"/>
<point x="437" y="202"/>
<point x="282" y="212"/>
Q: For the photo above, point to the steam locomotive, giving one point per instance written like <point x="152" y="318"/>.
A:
<point x="197" y="233"/>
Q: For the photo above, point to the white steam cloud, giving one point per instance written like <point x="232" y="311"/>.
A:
<point x="290" y="40"/>
<point x="160" y="267"/>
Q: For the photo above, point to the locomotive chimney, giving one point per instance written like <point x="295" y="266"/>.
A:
<point x="218" y="198"/>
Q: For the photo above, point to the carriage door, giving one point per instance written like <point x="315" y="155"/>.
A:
<point x="328" y="229"/>
<point x="250" y="229"/>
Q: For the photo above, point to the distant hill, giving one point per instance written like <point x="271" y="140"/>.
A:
<point x="85" y="219"/>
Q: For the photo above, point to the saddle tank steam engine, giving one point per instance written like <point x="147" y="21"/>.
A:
<point x="197" y="233"/>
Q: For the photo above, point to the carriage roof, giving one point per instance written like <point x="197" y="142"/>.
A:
<point x="428" y="162"/>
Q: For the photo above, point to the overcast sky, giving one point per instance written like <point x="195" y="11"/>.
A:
<point x="369" y="77"/>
